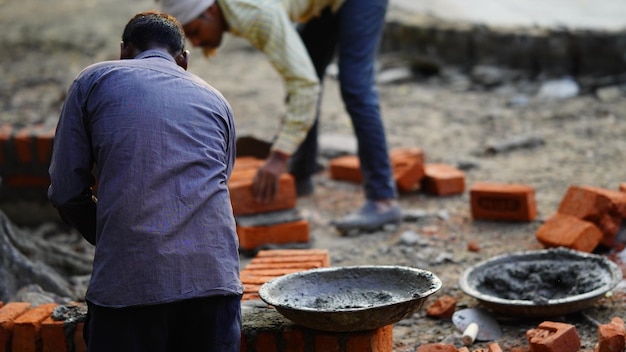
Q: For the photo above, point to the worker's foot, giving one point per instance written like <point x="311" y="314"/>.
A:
<point x="371" y="216"/>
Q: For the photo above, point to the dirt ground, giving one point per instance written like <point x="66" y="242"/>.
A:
<point x="453" y="119"/>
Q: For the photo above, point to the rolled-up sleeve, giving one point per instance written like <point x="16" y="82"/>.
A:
<point x="267" y="27"/>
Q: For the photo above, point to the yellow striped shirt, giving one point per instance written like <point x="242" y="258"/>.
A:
<point x="268" y="26"/>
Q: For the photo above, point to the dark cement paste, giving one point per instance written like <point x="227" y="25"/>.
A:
<point x="541" y="280"/>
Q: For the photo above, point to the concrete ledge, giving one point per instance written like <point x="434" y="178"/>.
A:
<point x="548" y="51"/>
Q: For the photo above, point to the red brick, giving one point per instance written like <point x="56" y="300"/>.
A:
<point x="317" y="260"/>
<point x="266" y="341"/>
<point x="8" y="313"/>
<point x="53" y="335"/>
<point x="408" y="168"/>
<point x="443" y="180"/>
<point x="5" y="137"/>
<point x="247" y="163"/>
<point x="622" y="187"/>
<point x="323" y="254"/>
<point x="295" y="265"/>
<point x="294" y="340"/>
<point x="553" y="337"/>
<point x="562" y="230"/>
<point x="346" y="168"/>
<point x="243" y="202"/>
<point x="244" y="343"/>
<point x="509" y="202"/>
<point x="443" y="307"/>
<point x="23" y="143"/>
<point x="44" y="141"/>
<point x="378" y="340"/>
<point x="26" y="181"/>
<point x="326" y="342"/>
<point x="251" y="274"/>
<point x="26" y="331"/>
<point x="492" y="347"/>
<point x="79" y="341"/>
<point x="603" y="207"/>
<point x="611" y="336"/>
<point x="251" y="237"/>
<point x="436" y="347"/>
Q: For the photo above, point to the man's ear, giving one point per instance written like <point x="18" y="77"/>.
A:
<point x="127" y="51"/>
<point x="182" y="59"/>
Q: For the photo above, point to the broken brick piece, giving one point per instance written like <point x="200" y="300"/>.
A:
<point x="562" y="230"/>
<point x="243" y="202"/>
<point x="443" y="180"/>
<point x="611" y="336"/>
<point x="553" y="337"/>
<point x="256" y="236"/>
<point x="443" y="307"/>
<point x="509" y="202"/>
<point x="604" y="207"/>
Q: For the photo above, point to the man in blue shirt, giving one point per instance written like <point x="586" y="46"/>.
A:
<point x="157" y="145"/>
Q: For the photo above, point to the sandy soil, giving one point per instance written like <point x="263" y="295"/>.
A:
<point x="450" y="117"/>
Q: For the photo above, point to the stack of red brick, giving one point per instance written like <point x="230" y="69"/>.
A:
<point x="24" y="159"/>
<point x="243" y="202"/>
<point x="270" y="264"/>
<point x="586" y="218"/>
<point x="32" y="329"/>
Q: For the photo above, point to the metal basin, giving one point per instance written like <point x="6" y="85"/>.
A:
<point x="539" y="284"/>
<point x="351" y="298"/>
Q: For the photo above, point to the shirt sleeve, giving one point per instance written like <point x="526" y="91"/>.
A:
<point x="70" y="168"/>
<point x="267" y="27"/>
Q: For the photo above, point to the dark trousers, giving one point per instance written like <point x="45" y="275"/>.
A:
<point x="211" y="324"/>
<point x="353" y="33"/>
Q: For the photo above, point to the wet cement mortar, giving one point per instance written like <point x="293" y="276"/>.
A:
<point x="451" y="116"/>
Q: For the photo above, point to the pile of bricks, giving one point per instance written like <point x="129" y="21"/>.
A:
<point x="32" y="329"/>
<point x="260" y="224"/>
<point x="586" y="218"/>
<point x="270" y="264"/>
<point x="409" y="171"/>
<point x="24" y="159"/>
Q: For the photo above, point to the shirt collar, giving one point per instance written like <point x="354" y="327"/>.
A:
<point x="155" y="53"/>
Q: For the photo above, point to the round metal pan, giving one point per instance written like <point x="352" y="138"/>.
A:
<point x="351" y="298"/>
<point x="552" y="282"/>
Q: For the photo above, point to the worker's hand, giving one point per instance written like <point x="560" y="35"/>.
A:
<point x="265" y="184"/>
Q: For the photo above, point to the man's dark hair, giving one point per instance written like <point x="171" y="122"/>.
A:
<point x="150" y="28"/>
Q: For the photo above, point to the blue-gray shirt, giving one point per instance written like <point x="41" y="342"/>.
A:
<point x="163" y="144"/>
